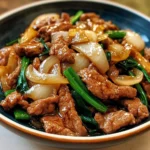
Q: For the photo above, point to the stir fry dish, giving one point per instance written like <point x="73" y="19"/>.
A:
<point x="76" y="75"/>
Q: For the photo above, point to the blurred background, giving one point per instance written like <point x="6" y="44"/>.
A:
<point x="140" y="5"/>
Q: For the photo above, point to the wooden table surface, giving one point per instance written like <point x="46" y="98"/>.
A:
<point x="141" y="5"/>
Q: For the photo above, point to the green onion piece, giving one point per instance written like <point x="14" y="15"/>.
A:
<point x="90" y="120"/>
<point x="80" y="104"/>
<point x="46" y="48"/>
<point x="22" y="84"/>
<point x="116" y="34"/>
<point x="21" y="114"/>
<point x="76" y="17"/>
<point x="44" y="53"/>
<point x="99" y="106"/>
<point x="108" y="55"/>
<point x="12" y="42"/>
<point x="141" y="92"/>
<point x="131" y="63"/>
<point x="77" y="78"/>
<point x="142" y="52"/>
<point x="9" y="92"/>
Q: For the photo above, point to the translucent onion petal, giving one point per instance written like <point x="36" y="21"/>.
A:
<point x="48" y="63"/>
<point x="128" y="80"/>
<point x="82" y="36"/>
<point x="135" y="40"/>
<point x="28" y="35"/>
<point x="95" y="53"/>
<point x="45" y="91"/>
<point x="81" y="62"/>
<point x="55" y="35"/>
<point x="141" y="60"/>
<point x="42" y="78"/>
<point x="118" y="52"/>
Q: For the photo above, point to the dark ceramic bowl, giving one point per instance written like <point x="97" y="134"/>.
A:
<point x="14" y="22"/>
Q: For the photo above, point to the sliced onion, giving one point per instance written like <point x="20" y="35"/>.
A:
<point x="42" y="78"/>
<point x="118" y="52"/>
<point x="91" y="35"/>
<point x="95" y="53"/>
<point x="28" y="35"/>
<point x="135" y="40"/>
<point x="48" y="63"/>
<point x="43" y="17"/>
<point x="40" y="91"/>
<point x="128" y="80"/>
<point x="55" y="35"/>
<point x="82" y="36"/>
<point x="81" y="62"/>
<point x="141" y="60"/>
<point x="101" y="37"/>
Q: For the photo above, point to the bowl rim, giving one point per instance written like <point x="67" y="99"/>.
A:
<point x="70" y="139"/>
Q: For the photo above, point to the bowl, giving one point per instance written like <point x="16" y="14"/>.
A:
<point x="14" y="22"/>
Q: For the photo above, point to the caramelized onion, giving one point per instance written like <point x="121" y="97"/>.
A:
<point x="118" y="52"/>
<point x="141" y="60"/>
<point x="28" y="35"/>
<point x="42" y="78"/>
<point x="95" y="53"/>
<point x="48" y="63"/>
<point x="40" y="91"/>
<point x="82" y="36"/>
<point x="128" y="80"/>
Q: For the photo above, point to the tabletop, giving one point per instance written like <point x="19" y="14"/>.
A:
<point x="10" y="140"/>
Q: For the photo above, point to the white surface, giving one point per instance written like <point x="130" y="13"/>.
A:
<point x="12" y="141"/>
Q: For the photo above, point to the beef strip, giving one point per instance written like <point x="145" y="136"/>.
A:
<point x="13" y="77"/>
<point x="30" y="49"/>
<point x="136" y="108"/>
<point x="36" y="63"/>
<point x="54" y="124"/>
<point x="12" y="100"/>
<point x="43" y="22"/>
<point x="61" y="49"/>
<point x="94" y="18"/>
<point x="68" y="112"/>
<point x="112" y="121"/>
<point x="4" y="54"/>
<point x="101" y="87"/>
<point x="146" y="87"/>
<point x="46" y="31"/>
<point x="147" y="53"/>
<point x="43" y="106"/>
<point x="50" y="21"/>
